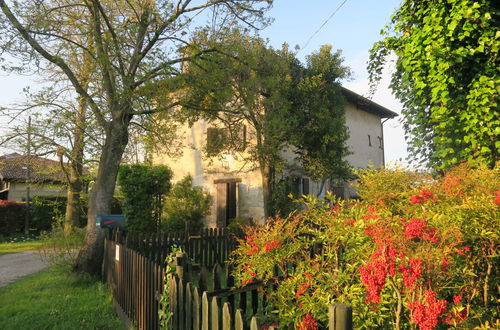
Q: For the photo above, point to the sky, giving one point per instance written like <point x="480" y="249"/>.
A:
<point x="353" y="28"/>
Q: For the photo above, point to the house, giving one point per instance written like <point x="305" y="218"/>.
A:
<point x="45" y="177"/>
<point x="236" y="184"/>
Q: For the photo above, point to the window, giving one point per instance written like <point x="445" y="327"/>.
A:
<point x="220" y="139"/>
<point x="369" y="140"/>
<point x="300" y="186"/>
<point x="380" y="142"/>
<point x="215" y="140"/>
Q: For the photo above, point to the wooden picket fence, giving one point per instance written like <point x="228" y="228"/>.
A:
<point x="197" y="299"/>
<point x="206" y="247"/>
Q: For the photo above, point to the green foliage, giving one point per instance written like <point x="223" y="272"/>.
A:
<point x="60" y="246"/>
<point x="446" y="77"/>
<point x="185" y="206"/>
<point x="143" y="188"/>
<point x="416" y="251"/>
<point x="46" y="210"/>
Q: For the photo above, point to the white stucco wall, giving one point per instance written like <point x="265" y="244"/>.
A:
<point x="17" y="190"/>
<point x="362" y="124"/>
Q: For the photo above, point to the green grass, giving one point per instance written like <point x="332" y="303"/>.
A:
<point x="54" y="299"/>
<point x="19" y="246"/>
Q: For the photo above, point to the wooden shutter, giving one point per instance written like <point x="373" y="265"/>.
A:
<point x="221" y="204"/>
<point x="231" y="200"/>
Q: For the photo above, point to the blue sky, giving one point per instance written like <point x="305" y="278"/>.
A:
<point x="353" y="29"/>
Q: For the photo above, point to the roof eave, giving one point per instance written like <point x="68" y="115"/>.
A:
<point x="367" y="104"/>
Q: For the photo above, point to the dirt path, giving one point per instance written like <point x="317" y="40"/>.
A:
<point x="17" y="265"/>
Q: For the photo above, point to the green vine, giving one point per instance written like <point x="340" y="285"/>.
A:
<point x="164" y="312"/>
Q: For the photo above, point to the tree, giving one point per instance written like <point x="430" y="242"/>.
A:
<point x="446" y="77"/>
<point x="131" y="45"/>
<point x="287" y="105"/>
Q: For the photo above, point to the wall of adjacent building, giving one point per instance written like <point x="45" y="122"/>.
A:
<point x="17" y="190"/>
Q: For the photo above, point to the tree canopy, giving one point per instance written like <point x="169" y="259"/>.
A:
<point x="285" y="104"/>
<point x="446" y="77"/>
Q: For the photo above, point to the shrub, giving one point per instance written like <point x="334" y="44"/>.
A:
<point x="185" y="206"/>
<point x="143" y="188"/>
<point x="422" y="254"/>
<point x="45" y="210"/>
<point x="12" y="215"/>
<point x="60" y="246"/>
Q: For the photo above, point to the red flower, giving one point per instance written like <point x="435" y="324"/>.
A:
<point x="272" y="245"/>
<point x="424" y="196"/>
<point x="426" y="314"/>
<point x="457" y="299"/>
<point x="254" y="248"/>
<point x="411" y="272"/>
<point x="417" y="228"/>
<point x="497" y="198"/>
<point x="302" y="289"/>
<point x="308" y="322"/>
<point x="415" y="199"/>
<point x="253" y="274"/>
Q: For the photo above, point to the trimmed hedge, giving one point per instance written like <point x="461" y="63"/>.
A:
<point x="12" y="215"/>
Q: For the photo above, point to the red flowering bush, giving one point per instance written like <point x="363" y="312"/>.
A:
<point x="397" y="262"/>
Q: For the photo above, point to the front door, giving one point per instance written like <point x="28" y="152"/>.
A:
<point x="226" y="200"/>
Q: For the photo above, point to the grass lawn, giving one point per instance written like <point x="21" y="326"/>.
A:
<point x="53" y="299"/>
<point x="19" y="246"/>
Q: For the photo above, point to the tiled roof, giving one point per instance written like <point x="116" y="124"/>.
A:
<point x="13" y="167"/>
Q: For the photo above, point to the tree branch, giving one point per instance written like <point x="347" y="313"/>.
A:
<point x="53" y="59"/>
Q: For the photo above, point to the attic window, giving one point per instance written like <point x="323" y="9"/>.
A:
<point x="369" y="140"/>
<point x="380" y="142"/>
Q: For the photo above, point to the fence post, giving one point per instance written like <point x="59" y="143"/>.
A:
<point x="339" y="317"/>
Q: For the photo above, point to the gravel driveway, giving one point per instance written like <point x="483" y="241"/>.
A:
<point x="17" y="265"/>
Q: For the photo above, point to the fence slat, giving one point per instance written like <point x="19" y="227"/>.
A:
<point x="196" y="310"/>
<point x="226" y="316"/>
<point x="254" y="325"/>
<point x="214" y="311"/>
<point x="205" y="311"/>
<point x="188" y="321"/>
<point x="238" y="320"/>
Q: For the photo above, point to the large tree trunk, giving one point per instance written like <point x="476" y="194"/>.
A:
<point x="90" y="257"/>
